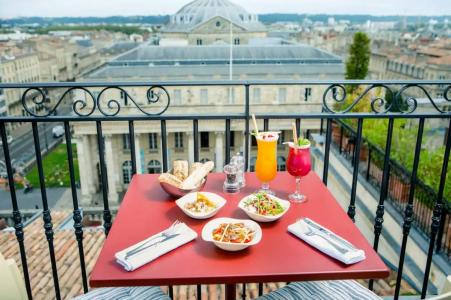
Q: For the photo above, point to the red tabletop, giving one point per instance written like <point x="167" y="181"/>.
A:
<point x="280" y="256"/>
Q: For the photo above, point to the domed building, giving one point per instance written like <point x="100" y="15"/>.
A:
<point x="204" y="22"/>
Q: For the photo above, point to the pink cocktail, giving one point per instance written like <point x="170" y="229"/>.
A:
<point x="298" y="165"/>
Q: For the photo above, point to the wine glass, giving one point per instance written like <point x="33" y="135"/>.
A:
<point x="266" y="164"/>
<point x="298" y="165"/>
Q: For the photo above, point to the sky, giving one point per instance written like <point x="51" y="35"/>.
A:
<point x="103" y="8"/>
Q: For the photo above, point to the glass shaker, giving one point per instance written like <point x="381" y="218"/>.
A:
<point x="231" y="184"/>
<point x="238" y="161"/>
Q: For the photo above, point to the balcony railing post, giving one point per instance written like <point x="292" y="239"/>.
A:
<point x="196" y="139"/>
<point x="228" y="142"/>
<point x="355" y="172"/>
<point x="340" y="150"/>
<point x="368" y="165"/>
<point x="438" y="212"/>
<point x="384" y="190"/>
<point x="77" y="213"/>
<point x="131" y="136"/>
<point x="104" y="178"/>
<point x="46" y="215"/>
<point x="246" y="131"/>
<point x="409" y="207"/>
<point x="164" y="145"/>
<point x="17" y="216"/>
<point x="327" y="150"/>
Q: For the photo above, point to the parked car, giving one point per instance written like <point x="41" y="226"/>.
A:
<point x="58" y="131"/>
<point x="9" y="139"/>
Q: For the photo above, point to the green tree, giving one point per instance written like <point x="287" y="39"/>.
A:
<point x="359" y="57"/>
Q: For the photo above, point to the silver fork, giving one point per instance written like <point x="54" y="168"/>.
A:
<point x="339" y="248"/>
<point x="167" y="234"/>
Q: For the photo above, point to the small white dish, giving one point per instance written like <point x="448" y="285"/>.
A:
<point x="192" y="197"/>
<point x="207" y="233"/>
<point x="261" y="218"/>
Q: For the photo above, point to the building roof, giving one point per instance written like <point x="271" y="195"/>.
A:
<point x="251" y="53"/>
<point x="198" y="12"/>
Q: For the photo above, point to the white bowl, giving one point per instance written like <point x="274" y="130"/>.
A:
<point x="207" y="233"/>
<point x="261" y="218"/>
<point x="191" y="197"/>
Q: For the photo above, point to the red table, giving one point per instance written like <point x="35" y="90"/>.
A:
<point x="280" y="256"/>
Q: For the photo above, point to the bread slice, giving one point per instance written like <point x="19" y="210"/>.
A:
<point x="180" y="169"/>
<point x="170" y="179"/>
<point x="196" y="177"/>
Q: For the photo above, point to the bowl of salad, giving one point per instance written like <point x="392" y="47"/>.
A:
<point x="201" y="205"/>
<point x="232" y="234"/>
<point x="263" y="207"/>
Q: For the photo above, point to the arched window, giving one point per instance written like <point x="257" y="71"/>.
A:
<point x="281" y="165"/>
<point x="204" y="160"/>
<point x="154" y="167"/>
<point x="252" y="164"/>
<point x="127" y="171"/>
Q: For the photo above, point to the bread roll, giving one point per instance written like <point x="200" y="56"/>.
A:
<point x="180" y="169"/>
<point x="194" y="167"/>
<point x="170" y="179"/>
<point x="196" y="177"/>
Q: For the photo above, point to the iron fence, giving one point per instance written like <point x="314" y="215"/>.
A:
<point x="337" y="104"/>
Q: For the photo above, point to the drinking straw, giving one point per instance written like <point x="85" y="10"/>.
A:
<point x="295" y="135"/>
<point x="255" y="124"/>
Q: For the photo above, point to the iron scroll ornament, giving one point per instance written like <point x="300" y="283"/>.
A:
<point x="41" y="100"/>
<point x="338" y="93"/>
<point x="154" y="95"/>
<point x="410" y="104"/>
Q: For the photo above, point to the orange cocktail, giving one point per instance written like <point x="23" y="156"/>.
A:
<point x="266" y="164"/>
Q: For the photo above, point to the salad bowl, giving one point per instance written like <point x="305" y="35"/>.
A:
<point x="202" y="209"/>
<point x="211" y="228"/>
<point x="263" y="207"/>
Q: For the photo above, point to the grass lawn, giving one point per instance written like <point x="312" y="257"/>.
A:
<point x="56" y="168"/>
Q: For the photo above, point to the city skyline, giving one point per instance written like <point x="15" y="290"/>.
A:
<point x="85" y="8"/>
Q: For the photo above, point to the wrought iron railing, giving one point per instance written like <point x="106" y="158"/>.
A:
<point x="385" y="99"/>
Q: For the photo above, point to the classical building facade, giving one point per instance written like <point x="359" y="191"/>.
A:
<point x="205" y="22"/>
<point x="197" y="64"/>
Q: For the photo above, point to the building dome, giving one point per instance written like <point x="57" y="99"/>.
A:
<point x="201" y="11"/>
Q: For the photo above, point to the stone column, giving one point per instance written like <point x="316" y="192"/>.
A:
<point x="111" y="170"/>
<point x="83" y="166"/>
<point x="219" y="151"/>
<point x="138" y="154"/>
<point x="190" y="147"/>
<point x="89" y="163"/>
<point x="94" y="162"/>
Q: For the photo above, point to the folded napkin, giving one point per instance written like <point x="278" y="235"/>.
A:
<point x="151" y="253"/>
<point x="301" y="228"/>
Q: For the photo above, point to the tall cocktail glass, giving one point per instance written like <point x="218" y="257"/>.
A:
<point x="298" y="165"/>
<point x="266" y="164"/>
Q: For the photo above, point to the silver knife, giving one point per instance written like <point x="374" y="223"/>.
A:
<point x="330" y="234"/>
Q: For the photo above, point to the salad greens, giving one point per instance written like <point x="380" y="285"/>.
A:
<point x="264" y="205"/>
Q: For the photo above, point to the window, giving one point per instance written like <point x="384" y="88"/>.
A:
<point x="153" y="143"/>
<point x="253" y="141"/>
<point x="204" y="96"/>
<point x="236" y="41"/>
<point x="199" y="42"/>
<point x="204" y="160"/>
<point x="126" y="141"/>
<point x="178" y="140"/>
<point x="177" y="97"/>
<point x="307" y="94"/>
<point x="252" y="164"/>
<point x="282" y="95"/>
<point x="232" y="138"/>
<point x="124" y="97"/>
<point x="231" y="95"/>
<point x="127" y="171"/>
<point x="154" y="167"/>
<point x="204" y="140"/>
<point x="218" y="23"/>
<point x="257" y="95"/>
<point x="281" y="139"/>
<point x="281" y="165"/>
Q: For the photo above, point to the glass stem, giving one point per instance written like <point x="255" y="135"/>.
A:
<point x="298" y="185"/>
<point x="265" y="186"/>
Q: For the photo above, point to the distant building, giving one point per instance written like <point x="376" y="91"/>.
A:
<point x="205" y="22"/>
<point x="260" y="59"/>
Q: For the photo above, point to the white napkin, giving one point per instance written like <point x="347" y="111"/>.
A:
<point x="147" y="255"/>
<point x="300" y="228"/>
